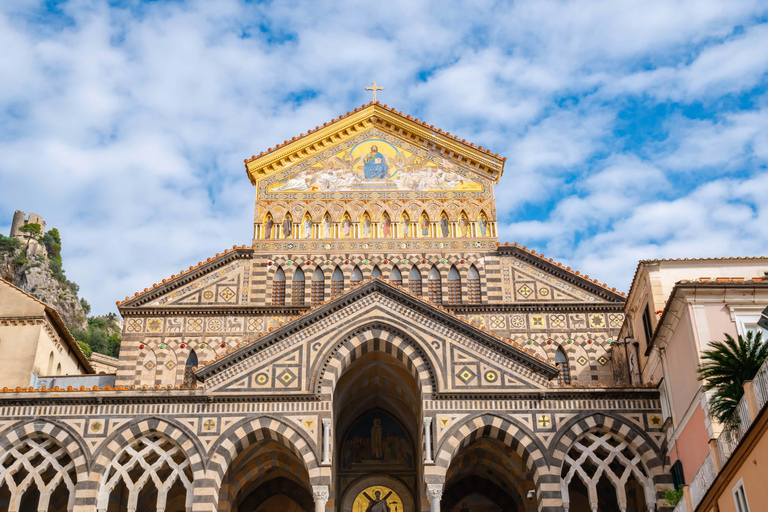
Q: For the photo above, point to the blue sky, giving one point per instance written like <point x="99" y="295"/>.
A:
<point x="633" y="129"/>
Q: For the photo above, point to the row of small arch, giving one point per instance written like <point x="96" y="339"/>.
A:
<point x="356" y="210"/>
<point x="392" y="217"/>
<point x="394" y="275"/>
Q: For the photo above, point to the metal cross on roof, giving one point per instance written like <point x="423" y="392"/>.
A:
<point x="374" y="89"/>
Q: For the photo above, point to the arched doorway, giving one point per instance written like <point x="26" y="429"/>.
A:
<point x="377" y="410"/>
<point x="487" y="475"/>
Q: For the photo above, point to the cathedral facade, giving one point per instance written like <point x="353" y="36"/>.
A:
<point x="374" y="349"/>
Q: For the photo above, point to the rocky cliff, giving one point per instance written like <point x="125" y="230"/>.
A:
<point x="33" y="270"/>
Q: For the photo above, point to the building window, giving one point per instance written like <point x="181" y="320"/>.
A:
<point x="435" y="287"/>
<point x="189" y="371"/>
<point x="414" y="281"/>
<point x="375" y="272"/>
<point x="454" y="286"/>
<point x="740" y="497"/>
<point x="357" y="276"/>
<point x="278" y="288"/>
<point x="318" y="287"/>
<point x="395" y="278"/>
<point x="473" y="288"/>
<point x="678" y="477"/>
<point x="561" y="361"/>
<point x="647" y="325"/>
<point x="297" y="288"/>
<point x="337" y="283"/>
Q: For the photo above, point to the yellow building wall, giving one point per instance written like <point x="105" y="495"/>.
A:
<point x="19" y="349"/>
<point x="62" y="355"/>
<point x="753" y="471"/>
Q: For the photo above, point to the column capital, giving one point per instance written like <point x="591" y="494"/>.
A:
<point x="326" y="421"/>
<point x="320" y="492"/>
<point x="427" y="420"/>
<point x="435" y="491"/>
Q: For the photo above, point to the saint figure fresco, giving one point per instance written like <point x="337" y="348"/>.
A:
<point x="463" y="226"/>
<point x="404" y="226"/>
<point x="386" y="225"/>
<point x="374" y="165"/>
<point x="424" y="225"/>
<point x="327" y="226"/>
<point x="287" y="227"/>
<point x="376" y="440"/>
<point x="379" y="503"/>
<point x="268" y="223"/>
<point x="377" y="450"/>
<point x="444" y="227"/>
<point x="346" y="226"/>
<point x="307" y="227"/>
<point x="366" y="226"/>
<point x="483" y="224"/>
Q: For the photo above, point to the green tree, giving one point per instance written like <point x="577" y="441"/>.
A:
<point x="86" y="307"/>
<point x="31" y="231"/>
<point x="726" y="367"/>
<point x="8" y="244"/>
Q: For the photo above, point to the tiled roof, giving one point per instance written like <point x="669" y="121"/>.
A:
<point x="181" y="273"/>
<point x="406" y="116"/>
<point x="560" y="265"/>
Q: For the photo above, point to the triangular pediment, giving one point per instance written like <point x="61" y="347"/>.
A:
<point x="389" y="125"/>
<point x="462" y="358"/>
<point x="374" y="161"/>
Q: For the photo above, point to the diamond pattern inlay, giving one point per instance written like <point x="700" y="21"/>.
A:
<point x="466" y="375"/>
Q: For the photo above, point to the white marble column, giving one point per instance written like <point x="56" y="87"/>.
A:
<point x="326" y="441"/>
<point x="434" y="493"/>
<point x="428" y="440"/>
<point x="320" y="494"/>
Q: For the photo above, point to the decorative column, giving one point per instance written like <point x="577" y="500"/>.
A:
<point x="434" y="493"/>
<point x="428" y="440"/>
<point x="326" y="441"/>
<point x="320" y="494"/>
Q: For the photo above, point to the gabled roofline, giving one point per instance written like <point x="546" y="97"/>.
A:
<point x="489" y="164"/>
<point x="509" y="348"/>
<point x="185" y="277"/>
<point x="565" y="273"/>
<point x="61" y="329"/>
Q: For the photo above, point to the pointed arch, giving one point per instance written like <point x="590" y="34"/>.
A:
<point x="444" y="225"/>
<point x="326" y="228"/>
<point x="473" y="286"/>
<point x="287" y="226"/>
<point x="190" y="381"/>
<point x="278" y="288"/>
<point x="346" y="226"/>
<point x="425" y="225"/>
<point x="395" y="277"/>
<point x="483" y="225"/>
<point x="307" y="225"/>
<point x="337" y="282"/>
<point x="366" y="225"/>
<point x="386" y="225"/>
<point x="561" y="361"/>
<point x="318" y="287"/>
<point x="434" y="285"/>
<point x="404" y="226"/>
<point x="50" y="364"/>
<point x="454" y="286"/>
<point x="357" y="276"/>
<point x="297" y="287"/>
<point x="414" y="281"/>
<point x="463" y="225"/>
<point x="268" y="225"/>
<point x="375" y="272"/>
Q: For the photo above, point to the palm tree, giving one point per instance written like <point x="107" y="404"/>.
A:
<point x="726" y="366"/>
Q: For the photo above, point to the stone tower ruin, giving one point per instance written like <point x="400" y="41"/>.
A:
<point x="20" y="219"/>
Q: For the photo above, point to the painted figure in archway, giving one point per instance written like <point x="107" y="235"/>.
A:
<point x="327" y="226"/>
<point x="464" y="226"/>
<point x="424" y="225"/>
<point x="404" y="226"/>
<point x="268" y="223"/>
<point x="307" y="227"/>
<point x="483" y="225"/>
<point x="386" y="225"/>
<point x="444" y="226"/>
<point x="366" y="226"/>
<point x="379" y="503"/>
<point x="375" y="167"/>
<point x="287" y="227"/>
<point x="377" y="448"/>
<point x="346" y="226"/>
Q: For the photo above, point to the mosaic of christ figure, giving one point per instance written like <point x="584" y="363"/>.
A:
<point x="374" y="165"/>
